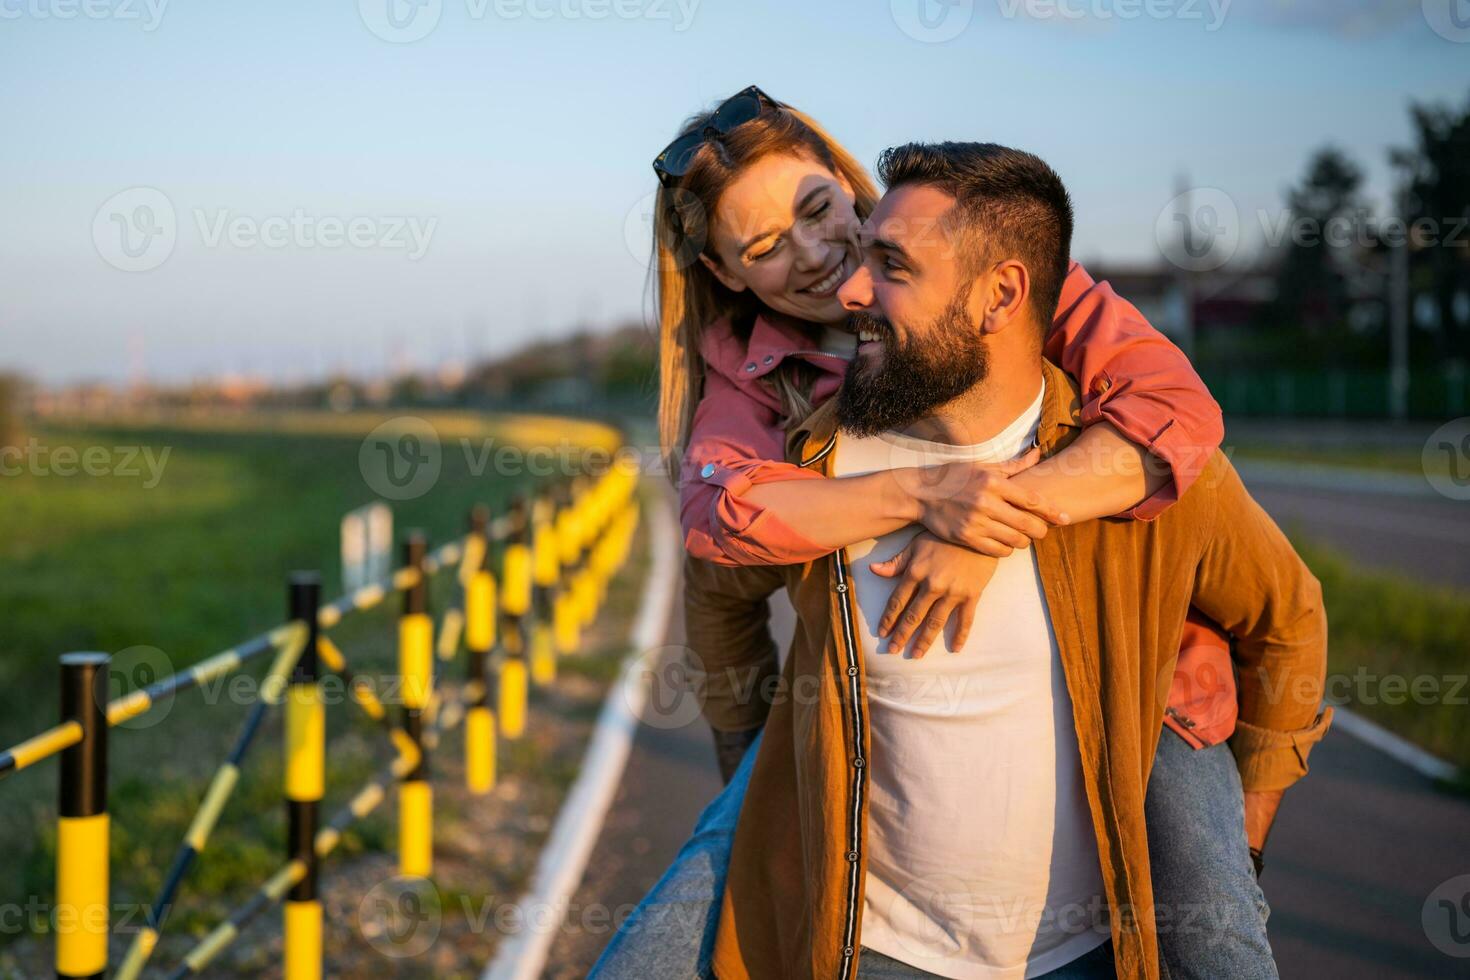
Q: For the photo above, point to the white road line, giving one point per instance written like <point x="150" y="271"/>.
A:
<point x="564" y="858"/>
<point x="1392" y="745"/>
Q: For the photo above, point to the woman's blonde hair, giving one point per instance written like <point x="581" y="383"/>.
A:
<point x="689" y="297"/>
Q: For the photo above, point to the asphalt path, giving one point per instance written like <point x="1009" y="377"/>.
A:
<point x="1396" y="524"/>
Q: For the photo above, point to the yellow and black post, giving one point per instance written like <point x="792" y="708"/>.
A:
<point x="515" y="603"/>
<point x="82" y="828"/>
<point x="306" y="763"/>
<point x="546" y="574"/>
<point x="566" y="618"/>
<point x="415" y="669"/>
<point x="479" y="607"/>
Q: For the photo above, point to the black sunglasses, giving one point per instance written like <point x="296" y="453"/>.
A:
<point x="740" y="108"/>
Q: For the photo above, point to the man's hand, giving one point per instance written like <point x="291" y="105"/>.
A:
<point x="978" y="506"/>
<point x="1260" y="813"/>
<point x="936" y="580"/>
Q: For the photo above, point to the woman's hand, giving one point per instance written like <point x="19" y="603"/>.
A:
<point x="936" y="579"/>
<point x="979" y="506"/>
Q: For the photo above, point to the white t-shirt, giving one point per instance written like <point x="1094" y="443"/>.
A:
<point x="982" y="859"/>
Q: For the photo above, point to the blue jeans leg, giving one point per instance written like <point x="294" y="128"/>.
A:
<point x="1097" y="964"/>
<point x="672" y="931"/>
<point x="1210" y="911"/>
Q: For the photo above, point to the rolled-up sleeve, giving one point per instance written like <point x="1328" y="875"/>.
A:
<point x="1133" y="377"/>
<point x="734" y="444"/>
<point x="1254" y="585"/>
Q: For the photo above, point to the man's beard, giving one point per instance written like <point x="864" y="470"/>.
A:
<point x="936" y="365"/>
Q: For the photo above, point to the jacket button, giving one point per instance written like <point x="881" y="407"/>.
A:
<point x="768" y="359"/>
<point x="857" y="763"/>
<point x="841" y="586"/>
<point x="852" y="672"/>
<point x="750" y="367"/>
<point x="847" y="951"/>
<point x="708" y="471"/>
<point x="852" y="855"/>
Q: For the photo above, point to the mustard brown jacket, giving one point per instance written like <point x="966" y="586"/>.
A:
<point x="1117" y="591"/>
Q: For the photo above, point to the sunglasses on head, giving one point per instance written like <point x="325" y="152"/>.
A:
<point x="740" y="108"/>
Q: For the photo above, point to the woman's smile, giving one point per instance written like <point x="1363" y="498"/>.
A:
<point x="827" y="284"/>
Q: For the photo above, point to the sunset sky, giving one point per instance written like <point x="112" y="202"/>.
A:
<point x="354" y="186"/>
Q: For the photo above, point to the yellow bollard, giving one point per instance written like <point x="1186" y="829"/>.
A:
<point x="82" y="825"/>
<point x="543" y="654"/>
<point x="415" y="670"/>
<point x="546" y="575"/>
<point x="513" y="696"/>
<point x="305" y="774"/>
<point x="479" y="605"/>
<point x="515" y="603"/>
<point x="565" y="623"/>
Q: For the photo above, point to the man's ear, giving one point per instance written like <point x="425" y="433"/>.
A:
<point x="733" y="283"/>
<point x="1003" y="298"/>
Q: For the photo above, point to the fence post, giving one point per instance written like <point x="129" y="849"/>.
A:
<point x="415" y="669"/>
<point x="566" y="617"/>
<point x="546" y="571"/>
<point x="515" y="602"/>
<point x="82" y="824"/>
<point x="479" y="603"/>
<point x="305" y="777"/>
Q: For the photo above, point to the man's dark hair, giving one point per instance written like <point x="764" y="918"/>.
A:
<point x="1009" y="204"/>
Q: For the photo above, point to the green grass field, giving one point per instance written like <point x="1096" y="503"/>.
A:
<point x="1407" y="462"/>
<point x="171" y="574"/>
<point x="1399" y="651"/>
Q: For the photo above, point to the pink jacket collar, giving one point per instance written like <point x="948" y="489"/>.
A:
<point x="771" y="340"/>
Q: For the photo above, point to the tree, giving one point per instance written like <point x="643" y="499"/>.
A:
<point x="1438" y="209"/>
<point x="1311" y="292"/>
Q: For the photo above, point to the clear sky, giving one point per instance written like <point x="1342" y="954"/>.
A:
<point x="256" y="141"/>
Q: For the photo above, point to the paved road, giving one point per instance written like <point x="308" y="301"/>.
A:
<point x="1358" y="848"/>
<point x="1421" y="534"/>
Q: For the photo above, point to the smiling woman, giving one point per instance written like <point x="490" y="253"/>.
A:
<point x="762" y="217"/>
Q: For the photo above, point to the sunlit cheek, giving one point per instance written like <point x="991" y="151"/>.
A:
<point x="766" y="279"/>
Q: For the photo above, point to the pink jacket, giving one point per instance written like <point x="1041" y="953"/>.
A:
<point x="1130" y="374"/>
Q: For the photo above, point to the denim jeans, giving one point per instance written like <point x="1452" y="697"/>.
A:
<point x="1096" y="964"/>
<point x="1211" y="914"/>
<point x="672" y="931"/>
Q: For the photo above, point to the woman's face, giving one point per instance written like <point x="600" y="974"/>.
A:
<point x="786" y="230"/>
